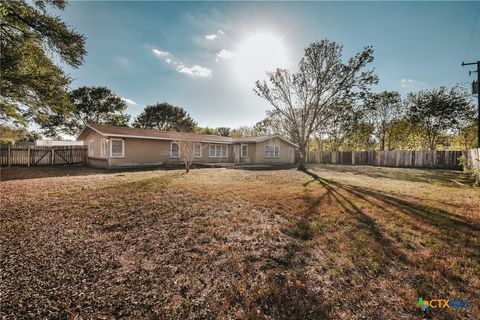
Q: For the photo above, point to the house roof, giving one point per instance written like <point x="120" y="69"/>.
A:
<point x="127" y="132"/>
<point x="258" y="139"/>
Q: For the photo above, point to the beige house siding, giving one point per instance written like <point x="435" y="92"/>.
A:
<point x="97" y="163"/>
<point x="251" y="153"/>
<point x="157" y="152"/>
<point x="96" y="138"/>
<point x="285" y="154"/>
<point x="143" y="152"/>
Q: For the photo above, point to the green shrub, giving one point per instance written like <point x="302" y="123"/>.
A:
<point x="6" y="142"/>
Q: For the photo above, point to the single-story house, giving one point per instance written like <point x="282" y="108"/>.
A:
<point x="112" y="146"/>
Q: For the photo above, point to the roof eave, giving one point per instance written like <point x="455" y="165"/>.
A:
<point x="91" y="128"/>
<point x="114" y="135"/>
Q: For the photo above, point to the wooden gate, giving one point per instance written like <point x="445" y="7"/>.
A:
<point x="39" y="156"/>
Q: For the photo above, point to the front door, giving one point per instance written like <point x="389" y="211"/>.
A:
<point x="236" y="151"/>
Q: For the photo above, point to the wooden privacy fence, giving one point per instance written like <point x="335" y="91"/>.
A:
<point x="472" y="159"/>
<point x="40" y="156"/>
<point x="394" y="158"/>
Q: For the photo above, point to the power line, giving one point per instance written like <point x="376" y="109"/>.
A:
<point x="471" y="35"/>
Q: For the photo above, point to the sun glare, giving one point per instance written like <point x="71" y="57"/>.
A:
<point x="258" y="53"/>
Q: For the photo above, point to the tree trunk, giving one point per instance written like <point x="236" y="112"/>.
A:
<point x="301" y="161"/>
<point x="382" y="143"/>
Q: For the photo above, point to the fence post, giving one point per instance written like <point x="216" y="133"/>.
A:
<point x="52" y="159"/>
<point x="9" y="155"/>
<point x="28" y="156"/>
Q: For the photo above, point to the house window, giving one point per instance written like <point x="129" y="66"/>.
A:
<point x="244" y="151"/>
<point x="174" y="150"/>
<point x="197" y="150"/>
<point x="218" y="151"/>
<point x="103" y="148"/>
<point x="117" y="148"/>
<point x="91" y="146"/>
<point x="272" y="151"/>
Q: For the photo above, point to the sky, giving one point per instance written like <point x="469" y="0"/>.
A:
<point x="206" y="56"/>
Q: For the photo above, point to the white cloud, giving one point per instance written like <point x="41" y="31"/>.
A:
<point x="160" y="53"/>
<point x="224" y="54"/>
<point x="123" y="61"/>
<point x="129" y="101"/>
<point x="216" y="35"/>
<point x="211" y="36"/>
<point x="405" y="83"/>
<point x="195" y="71"/>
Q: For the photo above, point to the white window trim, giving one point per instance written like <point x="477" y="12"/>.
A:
<point x="91" y="146"/>
<point x="274" y="146"/>
<point x="103" y="148"/>
<point x="171" y="150"/>
<point x="218" y="145"/>
<point x="241" y="150"/>
<point x="111" y="148"/>
<point x="194" y="145"/>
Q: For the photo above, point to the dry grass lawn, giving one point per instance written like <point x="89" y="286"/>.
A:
<point x="339" y="243"/>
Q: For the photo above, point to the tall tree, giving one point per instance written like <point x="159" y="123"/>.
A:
<point x="404" y="135"/>
<point x="244" y="131"/>
<point x="33" y="87"/>
<point x="9" y="135"/>
<point x="224" y="131"/>
<point x="386" y="107"/>
<point x="359" y="138"/>
<point x="274" y="123"/>
<point x="164" y="116"/>
<point x="438" y="111"/>
<point x="207" y="130"/>
<point x="90" y="105"/>
<point x="467" y="136"/>
<point x="324" y="84"/>
<point x="341" y="125"/>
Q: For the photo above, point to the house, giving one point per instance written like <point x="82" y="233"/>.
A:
<point x="112" y="146"/>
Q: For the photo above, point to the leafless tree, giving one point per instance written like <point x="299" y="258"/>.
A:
<point x="186" y="143"/>
<point x="307" y="99"/>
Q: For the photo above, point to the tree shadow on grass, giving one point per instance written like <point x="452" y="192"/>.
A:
<point x="426" y="214"/>
<point x="452" y="230"/>
<point x="437" y="176"/>
<point x="367" y="222"/>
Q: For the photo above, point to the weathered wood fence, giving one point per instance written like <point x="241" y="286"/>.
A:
<point x="472" y="159"/>
<point x="396" y="158"/>
<point x="41" y="156"/>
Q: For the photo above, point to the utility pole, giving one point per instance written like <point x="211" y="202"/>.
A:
<point x="478" y="95"/>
